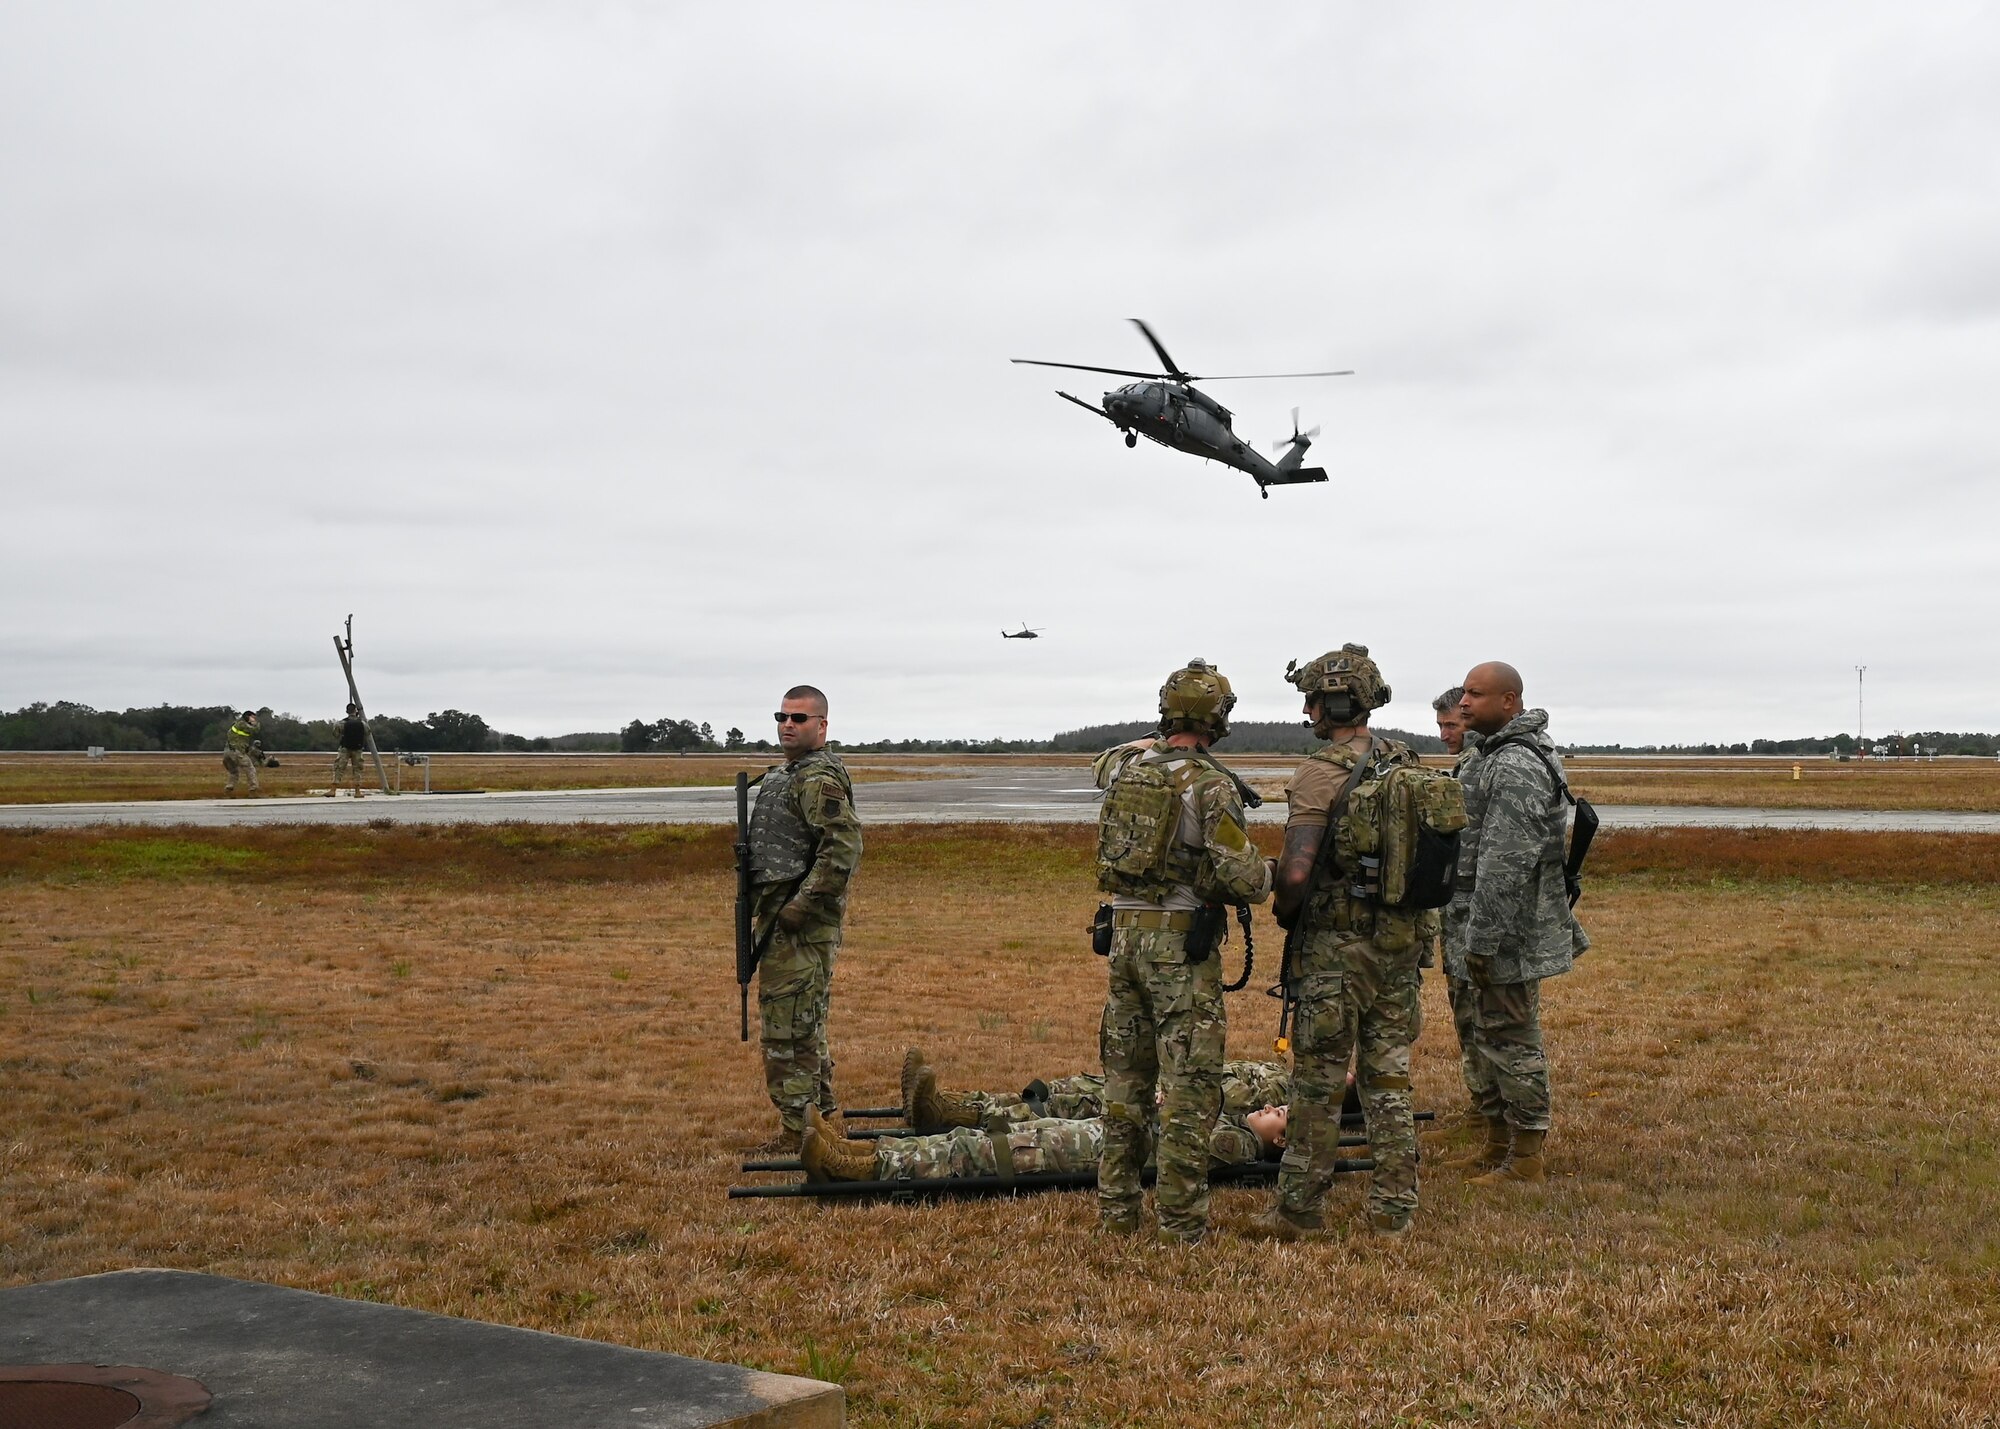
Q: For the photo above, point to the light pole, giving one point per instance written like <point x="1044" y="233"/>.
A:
<point x="1860" y="709"/>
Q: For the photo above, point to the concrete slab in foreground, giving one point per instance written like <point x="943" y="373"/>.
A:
<point x="286" y="1359"/>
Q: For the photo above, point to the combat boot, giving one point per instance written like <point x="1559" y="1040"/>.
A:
<point x="1388" y="1226"/>
<point x="1523" y="1165"/>
<point x="1281" y="1224"/>
<point x="785" y="1143"/>
<point x="1490" y="1156"/>
<point x="830" y="1157"/>
<point x="913" y="1064"/>
<point x="932" y="1110"/>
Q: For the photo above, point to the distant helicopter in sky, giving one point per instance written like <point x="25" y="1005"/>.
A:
<point x="1024" y="633"/>
<point x="1168" y="409"/>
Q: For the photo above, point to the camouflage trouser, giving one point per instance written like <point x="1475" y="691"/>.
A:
<point x="1464" y="1020"/>
<point x="794" y="987"/>
<point x="1507" y="1046"/>
<point x="347" y="761"/>
<point x="1046" y="1144"/>
<point x="1069" y="1099"/>
<point x="1163" y="1027"/>
<point x="1354" y="1000"/>
<point x="238" y="763"/>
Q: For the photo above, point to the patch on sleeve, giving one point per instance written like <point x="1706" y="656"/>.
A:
<point x="1229" y="834"/>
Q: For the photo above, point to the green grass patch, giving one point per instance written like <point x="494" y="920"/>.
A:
<point x="154" y="857"/>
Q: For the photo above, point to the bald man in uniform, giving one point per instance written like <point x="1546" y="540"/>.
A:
<point x="1509" y="925"/>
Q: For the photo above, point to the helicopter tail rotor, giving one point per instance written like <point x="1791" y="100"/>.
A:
<point x="1297" y="438"/>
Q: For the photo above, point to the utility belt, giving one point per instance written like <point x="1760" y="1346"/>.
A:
<point x="1203" y="926"/>
<point x="1155" y="919"/>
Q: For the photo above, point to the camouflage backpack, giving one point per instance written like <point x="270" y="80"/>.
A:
<point x="1398" y="833"/>
<point x="1138" y="853"/>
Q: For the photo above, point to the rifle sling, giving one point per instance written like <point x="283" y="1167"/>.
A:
<point x="1003" y="1155"/>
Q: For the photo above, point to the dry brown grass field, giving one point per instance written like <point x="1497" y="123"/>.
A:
<point x="494" y="1072"/>
<point x="1969" y="784"/>
<point x="46" y="778"/>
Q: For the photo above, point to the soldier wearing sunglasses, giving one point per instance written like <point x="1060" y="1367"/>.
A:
<point x="805" y="843"/>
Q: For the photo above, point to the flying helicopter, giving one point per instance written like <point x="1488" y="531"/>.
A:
<point x="1167" y="408"/>
<point x="1024" y="633"/>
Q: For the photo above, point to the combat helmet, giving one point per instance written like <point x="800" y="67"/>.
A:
<point x="1196" y="698"/>
<point x="1347" y="671"/>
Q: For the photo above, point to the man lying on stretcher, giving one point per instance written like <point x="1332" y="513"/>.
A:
<point x="1047" y="1127"/>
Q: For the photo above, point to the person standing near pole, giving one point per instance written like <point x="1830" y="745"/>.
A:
<point x="353" y="744"/>
<point x="805" y="844"/>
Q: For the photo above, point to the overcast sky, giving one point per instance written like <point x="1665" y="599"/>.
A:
<point x="613" y="361"/>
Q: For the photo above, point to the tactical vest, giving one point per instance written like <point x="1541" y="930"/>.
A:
<point x="781" y="841"/>
<point x="239" y="738"/>
<point x="1139" y="851"/>
<point x="353" y="735"/>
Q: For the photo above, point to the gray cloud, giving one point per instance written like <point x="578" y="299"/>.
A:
<point x="612" y="361"/>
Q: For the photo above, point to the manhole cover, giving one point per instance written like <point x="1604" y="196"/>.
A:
<point x="59" y="1404"/>
<point x="82" y="1396"/>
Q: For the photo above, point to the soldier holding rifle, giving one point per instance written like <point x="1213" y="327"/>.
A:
<point x="795" y="858"/>
<point x="1173" y="851"/>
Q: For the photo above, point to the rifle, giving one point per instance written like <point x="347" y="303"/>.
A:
<point x="746" y="942"/>
<point x="1579" y="848"/>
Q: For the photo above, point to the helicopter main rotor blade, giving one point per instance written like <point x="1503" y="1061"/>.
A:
<point x="1257" y="376"/>
<point x="1173" y="368"/>
<point x="1080" y="367"/>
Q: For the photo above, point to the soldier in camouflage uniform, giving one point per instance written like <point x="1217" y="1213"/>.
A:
<point x="1509" y="925"/>
<point x="1174" y="851"/>
<point x="805" y="843"/>
<point x="1246" y="1086"/>
<point x="1353" y="963"/>
<point x="1037" y="1145"/>
<point x="241" y="753"/>
<point x="1458" y="992"/>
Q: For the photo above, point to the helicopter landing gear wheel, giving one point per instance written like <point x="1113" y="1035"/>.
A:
<point x="1131" y="439"/>
<point x="1265" y="492"/>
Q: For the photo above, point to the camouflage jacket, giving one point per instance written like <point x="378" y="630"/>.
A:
<point x="241" y="737"/>
<point x="1231" y="869"/>
<point x="1252" y="1086"/>
<point x="1509" y="906"/>
<point x="824" y="797"/>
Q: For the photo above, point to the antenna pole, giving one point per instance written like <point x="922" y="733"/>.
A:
<point x="1860" y="709"/>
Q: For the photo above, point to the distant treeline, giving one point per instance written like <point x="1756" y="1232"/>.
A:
<point x="1901" y="745"/>
<point x="1245" y="737"/>
<point x="67" y="725"/>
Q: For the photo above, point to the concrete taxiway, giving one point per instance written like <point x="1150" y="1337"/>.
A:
<point x="1032" y="795"/>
